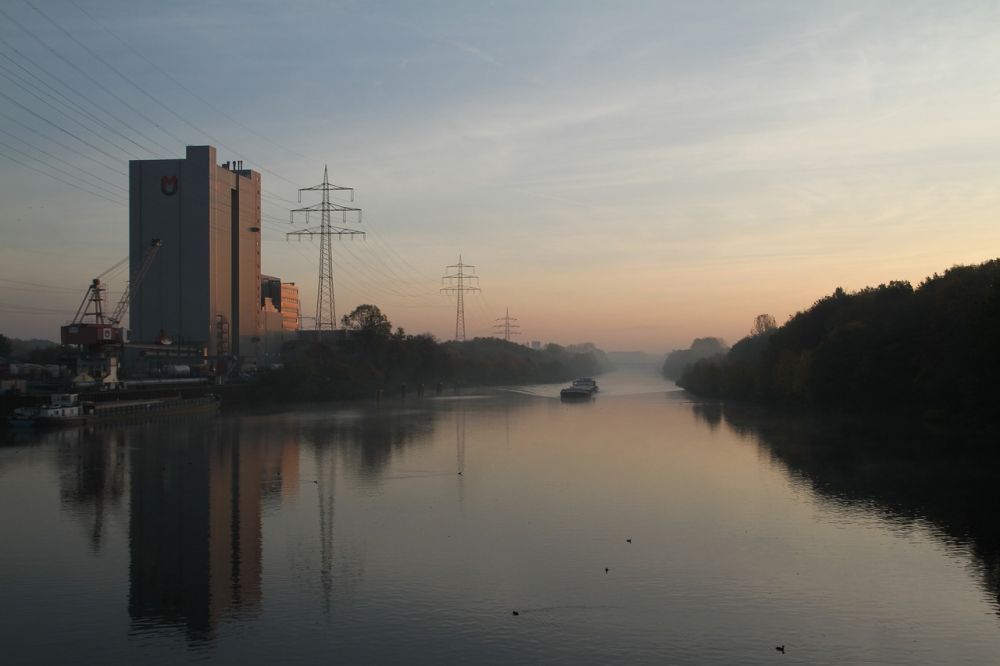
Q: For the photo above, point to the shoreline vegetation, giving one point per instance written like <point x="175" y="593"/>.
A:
<point x="372" y="360"/>
<point x="375" y="358"/>
<point x="933" y="351"/>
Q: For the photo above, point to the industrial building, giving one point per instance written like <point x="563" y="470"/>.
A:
<point x="280" y="303"/>
<point x="280" y="297"/>
<point x="204" y="289"/>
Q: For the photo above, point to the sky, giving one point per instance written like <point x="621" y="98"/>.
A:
<point x="632" y="174"/>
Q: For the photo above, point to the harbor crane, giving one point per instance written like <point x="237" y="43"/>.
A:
<point x="96" y="333"/>
<point x="91" y="327"/>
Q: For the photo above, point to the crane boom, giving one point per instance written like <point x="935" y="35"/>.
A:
<point x="117" y="265"/>
<point x="140" y="273"/>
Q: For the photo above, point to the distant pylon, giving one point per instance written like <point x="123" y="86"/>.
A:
<point x="326" y="313"/>
<point x="460" y="282"/>
<point x="505" y="326"/>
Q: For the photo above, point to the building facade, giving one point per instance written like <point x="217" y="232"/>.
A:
<point x="290" y="320"/>
<point x="280" y="303"/>
<point x="204" y="286"/>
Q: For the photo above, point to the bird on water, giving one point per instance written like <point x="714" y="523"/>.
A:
<point x="781" y="649"/>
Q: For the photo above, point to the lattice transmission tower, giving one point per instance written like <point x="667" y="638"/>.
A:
<point x="326" y="313"/>
<point x="460" y="282"/>
<point x="505" y="327"/>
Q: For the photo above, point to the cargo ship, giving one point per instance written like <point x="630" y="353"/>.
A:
<point x="585" y="387"/>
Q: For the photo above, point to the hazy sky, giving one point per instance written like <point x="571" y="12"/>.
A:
<point x="629" y="173"/>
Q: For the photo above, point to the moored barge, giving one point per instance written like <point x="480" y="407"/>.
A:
<point x="66" y="409"/>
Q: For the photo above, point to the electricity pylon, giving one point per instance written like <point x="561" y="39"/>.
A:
<point x="505" y="326"/>
<point x="460" y="282"/>
<point x="326" y="313"/>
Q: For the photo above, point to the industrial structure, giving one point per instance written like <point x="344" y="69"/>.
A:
<point x="506" y="326"/>
<point x="99" y="336"/>
<point x="204" y="291"/>
<point x="459" y="282"/>
<point x="326" y="312"/>
<point x="280" y="303"/>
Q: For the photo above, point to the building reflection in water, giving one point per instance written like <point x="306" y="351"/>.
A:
<point x="92" y="476"/>
<point x="197" y="493"/>
<point x="906" y="471"/>
<point x="195" y="522"/>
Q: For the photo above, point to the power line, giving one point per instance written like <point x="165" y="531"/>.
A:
<point x="61" y="180"/>
<point x="180" y="85"/>
<point x="395" y="256"/>
<point x="58" y="127"/>
<point x="62" y="145"/>
<point x="82" y="96"/>
<point x="55" y="168"/>
<point x="36" y="286"/>
<point x="361" y="265"/>
<point x="160" y="103"/>
<point x="59" y="159"/>
<point x="30" y="88"/>
<point x="89" y="77"/>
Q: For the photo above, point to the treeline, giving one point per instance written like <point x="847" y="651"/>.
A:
<point x="15" y="350"/>
<point x="372" y="356"/>
<point x="934" y="349"/>
<point x="678" y="360"/>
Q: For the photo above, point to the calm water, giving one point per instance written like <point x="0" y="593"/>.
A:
<point x="409" y="532"/>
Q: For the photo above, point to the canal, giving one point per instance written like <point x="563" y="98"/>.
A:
<point x="640" y="527"/>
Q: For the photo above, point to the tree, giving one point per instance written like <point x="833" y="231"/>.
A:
<point x="369" y="321"/>
<point x="763" y="323"/>
<point x="679" y="359"/>
<point x="5" y="346"/>
<point x="49" y="355"/>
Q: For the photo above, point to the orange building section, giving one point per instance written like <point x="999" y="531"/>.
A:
<point x="289" y="306"/>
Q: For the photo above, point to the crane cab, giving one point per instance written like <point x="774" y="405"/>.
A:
<point x="85" y="333"/>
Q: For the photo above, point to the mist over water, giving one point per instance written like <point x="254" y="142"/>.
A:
<point x="410" y="531"/>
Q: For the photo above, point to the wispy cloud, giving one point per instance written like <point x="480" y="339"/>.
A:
<point x="685" y="151"/>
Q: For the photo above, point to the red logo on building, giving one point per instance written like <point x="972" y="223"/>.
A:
<point x="168" y="185"/>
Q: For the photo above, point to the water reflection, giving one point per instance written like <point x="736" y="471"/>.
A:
<point x="92" y="476"/>
<point x="902" y="470"/>
<point x="194" y="528"/>
<point x="348" y="533"/>
<point x="196" y="497"/>
<point x="367" y="438"/>
<point x="364" y="440"/>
